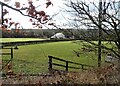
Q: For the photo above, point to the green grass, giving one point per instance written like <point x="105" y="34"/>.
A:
<point x="34" y="58"/>
<point x="19" y="39"/>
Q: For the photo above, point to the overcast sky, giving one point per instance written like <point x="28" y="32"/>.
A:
<point x="51" y="10"/>
<point x="60" y="19"/>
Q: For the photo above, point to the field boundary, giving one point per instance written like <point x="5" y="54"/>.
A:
<point x="32" y="42"/>
<point x="66" y="66"/>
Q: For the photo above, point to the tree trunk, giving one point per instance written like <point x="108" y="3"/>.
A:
<point x="100" y="33"/>
<point x="2" y="21"/>
<point x="118" y="67"/>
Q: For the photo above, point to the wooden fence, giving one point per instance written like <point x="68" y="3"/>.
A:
<point x="10" y="53"/>
<point x="51" y="63"/>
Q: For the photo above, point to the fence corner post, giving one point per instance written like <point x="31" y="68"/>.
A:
<point x="50" y="63"/>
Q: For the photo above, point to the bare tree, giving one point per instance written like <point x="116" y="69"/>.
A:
<point x="100" y="15"/>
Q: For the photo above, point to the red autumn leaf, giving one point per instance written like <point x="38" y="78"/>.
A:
<point x="3" y="27"/>
<point x="8" y="30"/>
<point x="31" y="10"/>
<point x="41" y="13"/>
<point x="31" y="13"/>
<point x="6" y="20"/>
<point x="48" y="4"/>
<point x="17" y="4"/>
<point x="5" y="12"/>
<point x="45" y="18"/>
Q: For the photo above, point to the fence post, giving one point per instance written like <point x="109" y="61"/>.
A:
<point x="82" y="66"/>
<point x="50" y="63"/>
<point x="11" y="53"/>
<point x="66" y="65"/>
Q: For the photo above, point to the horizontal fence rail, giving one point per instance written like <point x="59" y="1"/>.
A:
<point x="51" y="63"/>
<point x="7" y="53"/>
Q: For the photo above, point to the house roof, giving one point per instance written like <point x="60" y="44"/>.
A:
<point x="58" y="35"/>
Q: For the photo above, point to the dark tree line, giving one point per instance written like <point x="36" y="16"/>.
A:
<point x="82" y="34"/>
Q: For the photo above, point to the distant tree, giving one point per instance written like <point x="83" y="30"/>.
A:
<point x="100" y="15"/>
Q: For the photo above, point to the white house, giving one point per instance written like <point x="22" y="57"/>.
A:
<point x="58" y="36"/>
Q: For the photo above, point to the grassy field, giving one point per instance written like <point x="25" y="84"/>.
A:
<point x="34" y="58"/>
<point x="19" y="39"/>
